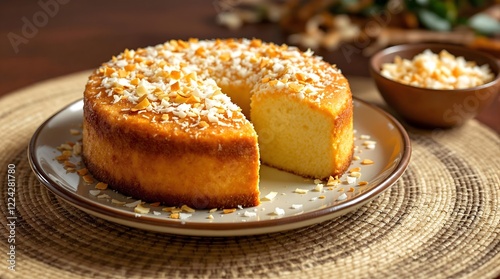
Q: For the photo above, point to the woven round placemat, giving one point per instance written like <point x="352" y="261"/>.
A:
<point x="440" y="220"/>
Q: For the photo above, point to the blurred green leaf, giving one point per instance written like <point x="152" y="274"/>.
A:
<point x="432" y="21"/>
<point x="484" y="24"/>
<point x="443" y="9"/>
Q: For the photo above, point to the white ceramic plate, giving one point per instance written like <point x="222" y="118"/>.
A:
<point x="391" y="156"/>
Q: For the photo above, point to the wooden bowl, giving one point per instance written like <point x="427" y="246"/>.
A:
<point x="434" y="108"/>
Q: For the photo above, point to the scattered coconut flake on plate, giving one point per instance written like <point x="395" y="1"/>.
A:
<point x="363" y="183"/>
<point x="249" y="214"/>
<point x="296" y="206"/>
<point x="367" y="162"/>
<point x="184" y="216"/>
<point x="103" y="196"/>
<point x="94" y="192"/>
<point x="132" y="204"/>
<point x="342" y="197"/>
<point x="356" y="174"/>
<point x="332" y="181"/>
<point x="279" y="211"/>
<point x="187" y="209"/>
<point x="270" y="196"/>
<point x="228" y="210"/>
<point x="156" y="213"/>
<point x="101" y="186"/>
<point x="370" y="144"/>
<point x="300" y="191"/>
<point x="351" y="179"/>
<point x="142" y="210"/>
<point x="114" y="201"/>
<point x="318" y="188"/>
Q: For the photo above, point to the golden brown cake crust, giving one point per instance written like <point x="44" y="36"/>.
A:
<point x="151" y="140"/>
<point x="153" y="162"/>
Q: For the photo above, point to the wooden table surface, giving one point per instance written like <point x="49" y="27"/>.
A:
<point x="50" y="38"/>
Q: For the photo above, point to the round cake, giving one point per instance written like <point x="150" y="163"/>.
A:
<point x="188" y="122"/>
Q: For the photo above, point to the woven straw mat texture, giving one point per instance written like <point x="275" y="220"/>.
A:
<point x="440" y="220"/>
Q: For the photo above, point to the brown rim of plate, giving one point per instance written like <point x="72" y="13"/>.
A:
<point x="79" y="201"/>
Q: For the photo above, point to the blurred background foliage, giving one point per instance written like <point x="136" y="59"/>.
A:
<point x="439" y="15"/>
<point x="329" y="23"/>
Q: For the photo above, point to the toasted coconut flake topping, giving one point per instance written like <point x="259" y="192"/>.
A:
<point x="181" y="80"/>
